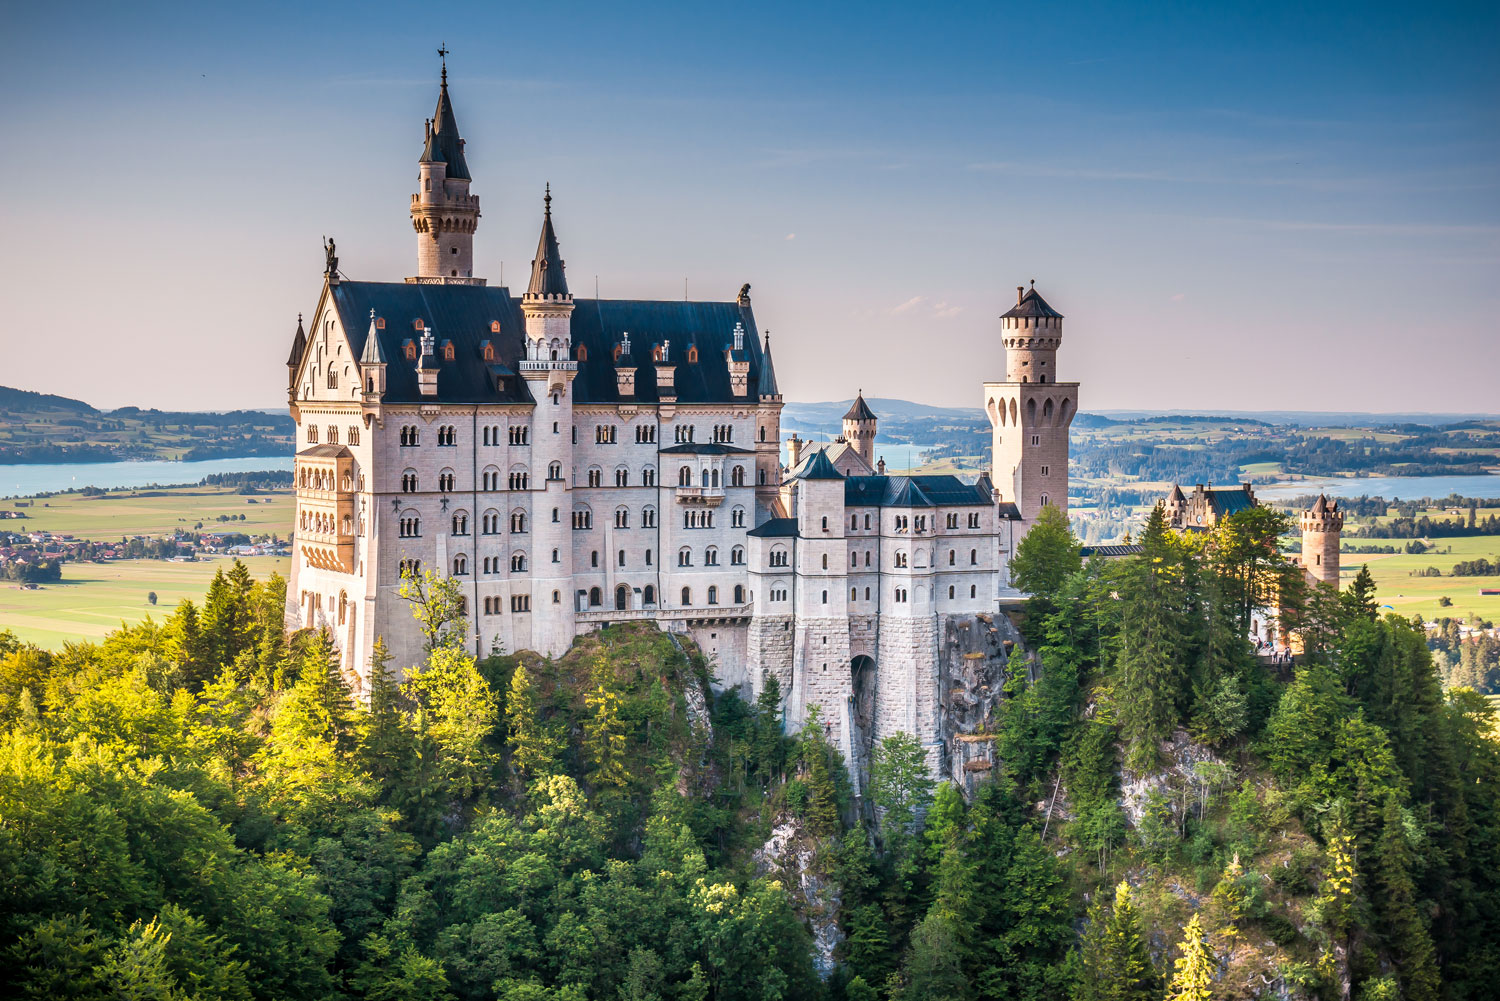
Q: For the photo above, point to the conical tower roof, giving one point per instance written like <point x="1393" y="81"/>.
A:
<point x="299" y="345"/>
<point x="443" y="141"/>
<point x="859" y="410"/>
<point x="547" y="277"/>
<point x="373" y="353"/>
<point x="1030" y="303"/>
<point x="767" y="383"/>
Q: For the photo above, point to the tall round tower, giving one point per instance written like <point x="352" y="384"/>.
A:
<point x="1321" y="528"/>
<point x="859" y="429"/>
<point x="443" y="212"/>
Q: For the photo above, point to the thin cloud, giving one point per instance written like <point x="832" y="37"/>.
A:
<point x="791" y="236"/>
<point x="943" y="310"/>
<point x="908" y="305"/>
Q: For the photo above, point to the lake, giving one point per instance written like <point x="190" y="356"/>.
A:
<point x="26" y="479"/>
<point x="1389" y="487"/>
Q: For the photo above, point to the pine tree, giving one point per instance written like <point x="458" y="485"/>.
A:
<point x="770" y="739"/>
<point x="604" y="739"/>
<point x="1195" y="968"/>
<point x="533" y="751"/>
<point x="1115" y="959"/>
<point x="187" y="647"/>
<point x="1406" y="933"/>
<point x="1359" y="599"/>
<point x="1150" y="661"/>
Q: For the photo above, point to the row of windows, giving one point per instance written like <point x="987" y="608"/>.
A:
<point x="709" y="477"/>
<point x="333" y="434"/>
<point x="313" y="478"/>
<point x="604" y="434"/>
<point x="518" y="603"/>
<point x="711" y="556"/>
<point x="520" y="479"/>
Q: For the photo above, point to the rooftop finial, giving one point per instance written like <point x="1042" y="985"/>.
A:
<point x="547" y="199"/>
<point x="443" y="55"/>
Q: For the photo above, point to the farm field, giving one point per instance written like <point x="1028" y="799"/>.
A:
<point x="120" y="513"/>
<point x="1410" y="595"/>
<point x="93" y="598"/>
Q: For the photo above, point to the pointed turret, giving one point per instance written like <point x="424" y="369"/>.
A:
<point x="548" y="281"/>
<point x="372" y="360"/>
<point x="294" y="360"/>
<point x="443" y="212"/>
<point x="767" y="384"/>
<point x="859" y="429"/>
<point x="443" y="136"/>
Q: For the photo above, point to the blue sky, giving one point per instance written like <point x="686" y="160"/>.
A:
<point x="1236" y="206"/>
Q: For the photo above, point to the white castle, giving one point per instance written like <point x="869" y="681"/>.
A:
<point x="581" y="462"/>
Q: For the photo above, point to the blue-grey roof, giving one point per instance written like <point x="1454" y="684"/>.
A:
<point x="817" y="467"/>
<point x="776" y="528"/>
<point x="928" y="490"/>
<point x="465" y="314"/>
<point x="1230" y="500"/>
<point x="859" y="410"/>
<point x="704" y="448"/>
<point x="1111" y="552"/>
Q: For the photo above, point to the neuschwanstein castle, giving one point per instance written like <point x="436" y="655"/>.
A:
<point x="579" y="462"/>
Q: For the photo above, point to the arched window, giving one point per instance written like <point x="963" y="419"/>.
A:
<point x="445" y="481"/>
<point x="973" y="591"/>
<point x="715" y="478"/>
<point x="950" y="591"/>
<point x="825" y="597"/>
<point x="333" y="378"/>
<point x="622" y="477"/>
<point x="713" y="595"/>
<point x="596" y="597"/>
<point x="409" y="481"/>
<point x="518" y="521"/>
<point x="737" y="556"/>
<point x="648" y="517"/>
<point x="687" y="597"/>
<point x="825" y="561"/>
<point x="951" y="557"/>
<point x="596" y="476"/>
<point x="648" y="476"/>
<point x="739" y="594"/>
<point x="622" y="598"/>
<point x="737" y="476"/>
<point x="461" y="523"/>
<point x="518" y="562"/>
<point x="684" y="475"/>
<point x="622" y="517"/>
<point x="973" y="557"/>
<point x="711" y="556"/>
<point x="460" y="565"/>
<point x="684" y="557"/>
<point x="648" y="594"/>
<point x="554" y="471"/>
<point x="737" y="518"/>
<point x="825" y="523"/>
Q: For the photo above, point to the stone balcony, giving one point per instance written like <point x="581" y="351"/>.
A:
<point x="701" y="496"/>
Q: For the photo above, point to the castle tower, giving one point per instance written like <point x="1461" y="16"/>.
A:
<point x="1030" y="411"/>
<point x="1321" y="528"/>
<point x="443" y="212"/>
<point x="768" y="434"/>
<point x="549" y="371"/>
<point x="859" y="429"/>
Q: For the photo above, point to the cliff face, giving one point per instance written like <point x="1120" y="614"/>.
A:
<point x="971" y="674"/>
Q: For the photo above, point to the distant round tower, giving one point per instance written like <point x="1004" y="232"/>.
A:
<point x="1321" y="527"/>
<point x="859" y="429"/>
<point x="443" y="212"/>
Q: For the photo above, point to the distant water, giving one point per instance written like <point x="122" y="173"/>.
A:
<point x="24" y="480"/>
<point x="1389" y="487"/>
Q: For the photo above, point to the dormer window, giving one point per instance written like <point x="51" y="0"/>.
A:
<point x="583" y="353"/>
<point x="417" y="324"/>
<point x="487" y="350"/>
<point x="379" y="323"/>
<point x="409" y="349"/>
<point x="693" y="354"/>
<point x="494" y="326"/>
<point x="447" y="351"/>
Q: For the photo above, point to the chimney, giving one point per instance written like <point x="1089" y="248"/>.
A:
<point x="880" y="466"/>
<point x="1020" y="293"/>
<point x="793" y="450"/>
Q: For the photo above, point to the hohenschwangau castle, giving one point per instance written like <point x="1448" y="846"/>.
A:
<point x="578" y="462"/>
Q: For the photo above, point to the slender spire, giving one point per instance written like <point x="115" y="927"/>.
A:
<point x="373" y="353"/>
<point x="766" y="385"/>
<point x="299" y="345"/>
<point x="443" y="141"/>
<point x="547" y="268"/>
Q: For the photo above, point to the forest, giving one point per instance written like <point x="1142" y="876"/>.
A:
<point x="200" y="808"/>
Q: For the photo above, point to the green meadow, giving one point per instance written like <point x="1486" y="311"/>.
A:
<point x="1411" y="595"/>
<point x="94" y="598"/>
<point x="153" y="512"/>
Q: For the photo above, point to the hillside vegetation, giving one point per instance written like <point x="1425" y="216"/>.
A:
<point x="199" y="809"/>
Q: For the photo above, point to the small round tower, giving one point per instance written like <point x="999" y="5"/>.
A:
<point x="1321" y="529"/>
<point x="1031" y="333"/>
<point x="859" y="429"/>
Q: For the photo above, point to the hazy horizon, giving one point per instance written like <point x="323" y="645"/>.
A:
<point x="1253" y="209"/>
